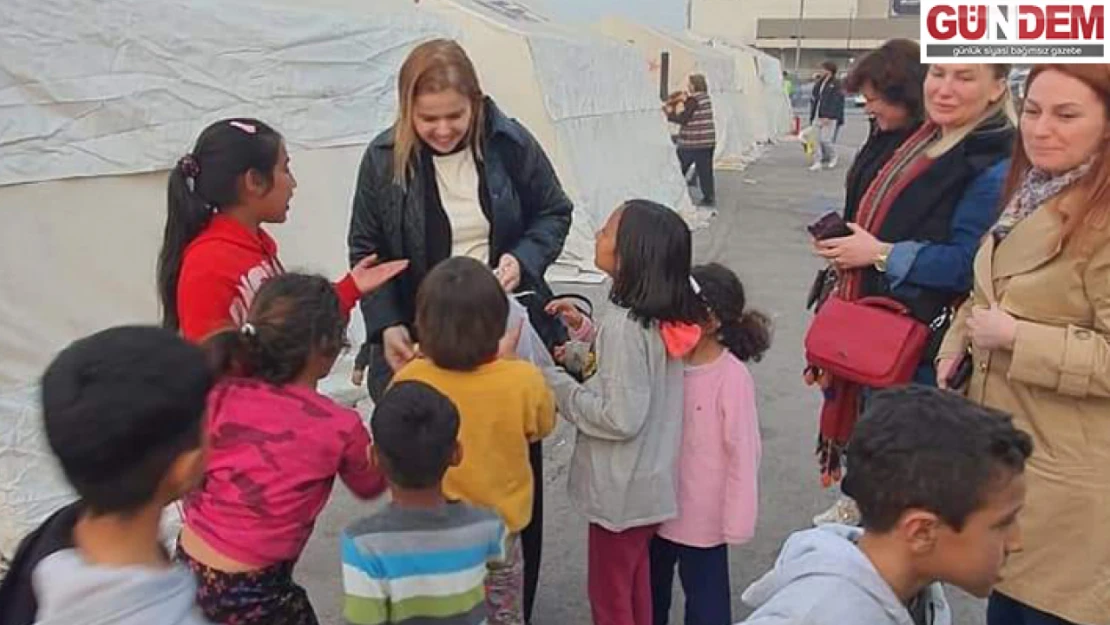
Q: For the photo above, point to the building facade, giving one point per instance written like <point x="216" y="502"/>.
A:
<point x="840" y="30"/>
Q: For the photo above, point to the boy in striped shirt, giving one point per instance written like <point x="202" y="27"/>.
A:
<point x="422" y="560"/>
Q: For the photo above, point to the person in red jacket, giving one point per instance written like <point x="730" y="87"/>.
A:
<point x="215" y="254"/>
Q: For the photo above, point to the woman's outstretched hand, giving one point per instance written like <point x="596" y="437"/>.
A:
<point x="508" y="272"/>
<point x="369" y="275"/>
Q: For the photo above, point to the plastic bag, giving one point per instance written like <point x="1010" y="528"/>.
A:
<point x="809" y="136"/>
<point x="531" y="347"/>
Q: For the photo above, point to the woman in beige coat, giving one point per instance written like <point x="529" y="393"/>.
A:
<point x="1038" y="332"/>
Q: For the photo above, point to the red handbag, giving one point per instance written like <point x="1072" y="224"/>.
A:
<point x="871" y="341"/>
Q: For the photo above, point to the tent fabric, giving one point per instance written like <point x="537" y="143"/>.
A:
<point x="767" y="93"/>
<point x="778" y="103"/>
<point x="101" y="97"/>
<point x="119" y="86"/>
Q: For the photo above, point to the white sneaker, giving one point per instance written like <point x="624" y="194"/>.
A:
<point x="843" y="512"/>
<point x="816" y="166"/>
<point x="831" y="164"/>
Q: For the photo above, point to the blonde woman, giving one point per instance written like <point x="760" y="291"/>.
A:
<point x="1037" y="332"/>
<point x="455" y="176"/>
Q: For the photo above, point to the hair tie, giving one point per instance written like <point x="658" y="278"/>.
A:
<point x="191" y="169"/>
<point x="248" y="329"/>
<point x="247" y="128"/>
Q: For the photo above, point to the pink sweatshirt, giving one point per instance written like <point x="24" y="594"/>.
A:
<point x="273" y="455"/>
<point x="718" y="466"/>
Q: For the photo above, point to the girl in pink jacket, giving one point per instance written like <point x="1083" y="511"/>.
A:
<point x="719" y="460"/>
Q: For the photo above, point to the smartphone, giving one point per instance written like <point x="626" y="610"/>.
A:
<point x="961" y="373"/>
<point x="830" y="226"/>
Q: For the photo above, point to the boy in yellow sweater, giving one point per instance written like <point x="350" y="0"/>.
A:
<point x="504" y="405"/>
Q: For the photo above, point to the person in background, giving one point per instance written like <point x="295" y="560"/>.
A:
<point x="916" y="227"/>
<point x="697" y="135"/>
<point x="421" y="559"/>
<point x="628" y="416"/>
<point x="503" y="403"/>
<point x="825" y="111"/>
<point x="1038" y="331"/>
<point x="456" y="176"/>
<point x="277" y="446"/>
<point x="123" y="412"/>
<point x="215" y="253"/>
<point x="718" y="466"/>
<point x="940" y="482"/>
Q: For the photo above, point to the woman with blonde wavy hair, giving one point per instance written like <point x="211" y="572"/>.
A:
<point x="454" y="176"/>
<point x="1035" y="339"/>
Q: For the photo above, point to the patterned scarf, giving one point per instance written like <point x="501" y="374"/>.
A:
<point x="907" y="162"/>
<point x="841" y="405"/>
<point x="1038" y="187"/>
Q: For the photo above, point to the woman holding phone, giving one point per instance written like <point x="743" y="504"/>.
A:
<point x="917" y="222"/>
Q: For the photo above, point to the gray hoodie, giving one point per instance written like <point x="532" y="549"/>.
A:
<point x="72" y="592"/>
<point x="629" y="422"/>
<point x="822" y="578"/>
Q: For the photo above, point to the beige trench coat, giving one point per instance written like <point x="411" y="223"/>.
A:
<point x="1056" y="384"/>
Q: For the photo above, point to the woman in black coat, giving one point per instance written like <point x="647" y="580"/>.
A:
<point x="455" y="177"/>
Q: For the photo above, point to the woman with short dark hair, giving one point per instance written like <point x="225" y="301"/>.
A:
<point x="890" y="79"/>
<point x="916" y="217"/>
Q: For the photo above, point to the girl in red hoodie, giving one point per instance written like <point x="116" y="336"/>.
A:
<point x="215" y="254"/>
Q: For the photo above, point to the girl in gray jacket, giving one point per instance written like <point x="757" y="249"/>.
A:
<point x="629" y="415"/>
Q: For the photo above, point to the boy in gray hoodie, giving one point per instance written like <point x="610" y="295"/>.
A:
<point x="939" y="482"/>
<point x="123" y="412"/>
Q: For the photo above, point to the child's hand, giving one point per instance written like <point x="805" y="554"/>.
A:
<point x="369" y="276"/>
<point x="357" y="376"/>
<point x="399" y="349"/>
<point x="565" y="309"/>
<point x="506" y="348"/>
<point x="559" y="354"/>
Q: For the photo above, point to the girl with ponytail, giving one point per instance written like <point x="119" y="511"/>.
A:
<point x="215" y="253"/>
<point x="275" y="448"/>
<point x="718" y="464"/>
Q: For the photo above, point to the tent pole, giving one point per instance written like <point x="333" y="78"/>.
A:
<point x="798" y="37"/>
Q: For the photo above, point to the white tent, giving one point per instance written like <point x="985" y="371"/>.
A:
<point x="774" y="91"/>
<point x="100" y="97"/>
<point x="761" y="76"/>
<point x="736" y="132"/>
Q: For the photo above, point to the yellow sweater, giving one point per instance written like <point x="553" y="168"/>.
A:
<point x="503" y="406"/>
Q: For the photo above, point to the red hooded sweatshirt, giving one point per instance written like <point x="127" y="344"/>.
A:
<point x="221" y="271"/>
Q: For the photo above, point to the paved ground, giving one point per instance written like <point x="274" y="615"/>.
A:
<point x="759" y="234"/>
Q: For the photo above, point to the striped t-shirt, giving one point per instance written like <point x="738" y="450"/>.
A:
<point x="420" y="567"/>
